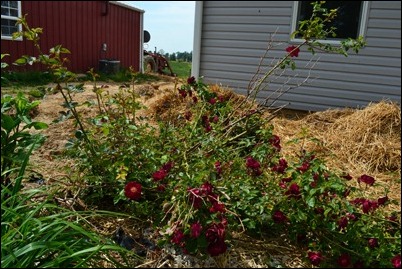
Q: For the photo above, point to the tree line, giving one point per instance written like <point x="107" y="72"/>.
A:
<point x="177" y="56"/>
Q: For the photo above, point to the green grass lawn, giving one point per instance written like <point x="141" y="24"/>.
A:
<point x="36" y="78"/>
<point x="181" y="69"/>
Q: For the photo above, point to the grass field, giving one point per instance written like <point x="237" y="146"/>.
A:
<point x="181" y="69"/>
<point x="36" y="78"/>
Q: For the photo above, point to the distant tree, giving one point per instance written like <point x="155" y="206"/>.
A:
<point x="179" y="56"/>
<point x="184" y="56"/>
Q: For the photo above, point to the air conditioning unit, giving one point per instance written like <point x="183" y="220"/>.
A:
<point x="109" y="66"/>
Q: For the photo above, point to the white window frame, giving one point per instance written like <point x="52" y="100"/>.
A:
<point x="6" y="37"/>
<point x="361" y="31"/>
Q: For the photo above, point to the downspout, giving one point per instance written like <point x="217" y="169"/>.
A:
<point x="195" y="65"/>
<point x="141" y="56"/>
<point x="105" y="8"/>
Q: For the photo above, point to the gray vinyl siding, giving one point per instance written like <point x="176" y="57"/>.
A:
<point x="235" y="36"/>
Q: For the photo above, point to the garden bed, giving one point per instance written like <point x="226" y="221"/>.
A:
<point x="365" y="141"/>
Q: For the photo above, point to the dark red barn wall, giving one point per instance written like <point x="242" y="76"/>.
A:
<point x="81" y="27"/>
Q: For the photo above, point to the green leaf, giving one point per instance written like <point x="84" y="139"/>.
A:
<point x="64" y="50"/>
<point x="39" y="125"/>
<point x="70" y="104"/>
<point x="79" y="134"/>
<point x="4" y="55"/>
<point x="301" y="215"/>
<point x="311" y="202"/>
<point x="7" y="122"/>
<point x="313" y="191"/>
<point x="191" y="246"/>
<point x="202" y="242"/>
<point x="26" y="120"/>
<point x="20" y="61"/>
<point x="105" y="130"/>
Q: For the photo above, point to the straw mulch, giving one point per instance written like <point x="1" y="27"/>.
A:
<point x="354" y="141"/>
<point x="170" y="107"/>
<point x="366" y="139"/>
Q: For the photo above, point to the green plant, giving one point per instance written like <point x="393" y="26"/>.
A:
<point x="124" y="75"/>
<point x="26" y="79"/>
<point x="16" y="140"/>
<point x="35" y="232"/>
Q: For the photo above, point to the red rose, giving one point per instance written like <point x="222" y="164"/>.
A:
<point x="215" y="232"/>
<point x="315" y="257"/>
<point x="218" y="167"/>
<point x="347" y="177"/>
<point x="382" y="200"/>
<point x="281" y="166"/>
<point x="293" y="51"/>
<point x="195" y="197"/>
<point x="373" y="242"/>
<point x="167" y="166"/>
<point x="279" y="217"/>
<point x="191" y="80"/>
<point x="344" y="260"/>
<point x="206" y="188"/>
<point x="342" y="223"/>
<point x="275" y="142"/>
<point x="177" y="237"/>
<point x="196" y="229"/>
<point x="304" y="167"/>
<point x="133" y="190"/>
<point x="212" y="101"/>
<point x="366" y="179"/>
<point x="396" y="261"/>
<point x="293" y="191"/>
<point x="217" y="207"/>
<point x="182" y="92"/>
<point x="159" y="175"/>
<point x="252" y="163"/>
<point x="188" y="115"/>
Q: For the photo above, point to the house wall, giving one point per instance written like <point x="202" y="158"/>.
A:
<point x="234" y="36"/>
<point x="82" y="27"/>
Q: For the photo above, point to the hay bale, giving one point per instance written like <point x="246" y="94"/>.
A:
<point x="366" y="139"/>
<point x="171" y="107"/>
<point x="370" y="137"/>
<point x="168" y="107"/>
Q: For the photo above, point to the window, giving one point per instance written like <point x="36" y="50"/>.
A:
<point x="350" y="20"/>
<point x="10" y="12"/>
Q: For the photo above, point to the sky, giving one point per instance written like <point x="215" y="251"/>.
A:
<point x="170" y="24"/>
